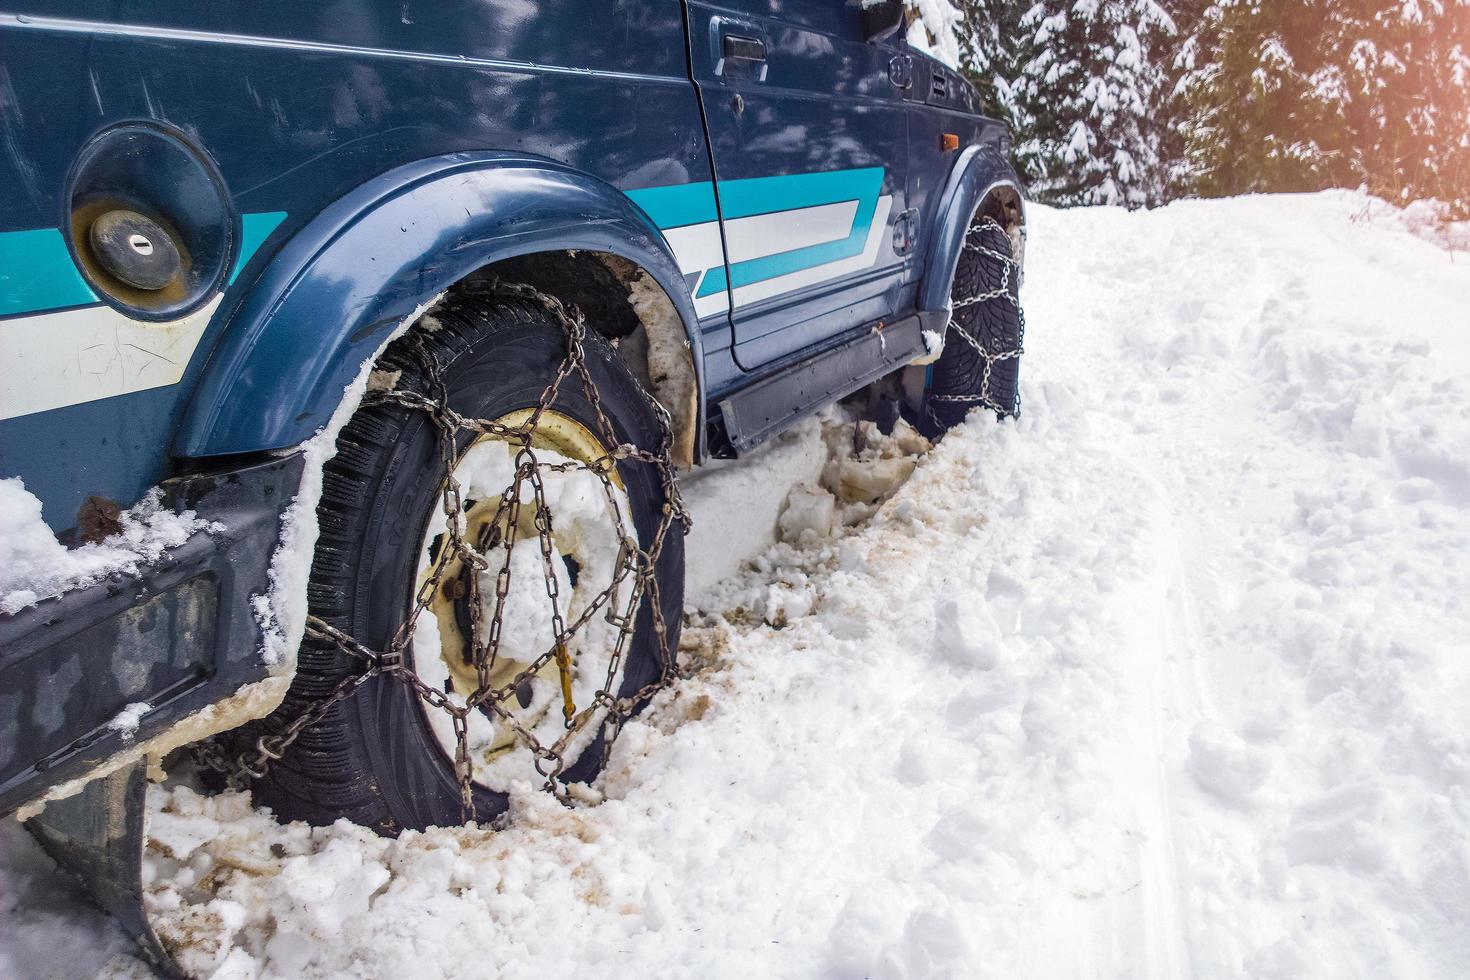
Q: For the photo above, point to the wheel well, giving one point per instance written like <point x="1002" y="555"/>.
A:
<point x="1004" y="204"/>
<point x="621" y="301"/>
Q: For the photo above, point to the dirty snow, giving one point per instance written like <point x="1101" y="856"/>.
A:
<point x="1168" y="678"/>
<point x="736" y="504"/>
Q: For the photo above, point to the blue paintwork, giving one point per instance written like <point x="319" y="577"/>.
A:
<point x="114" y="446"/>
<point x="376" y="255"/>
<point x="375" y="150"/>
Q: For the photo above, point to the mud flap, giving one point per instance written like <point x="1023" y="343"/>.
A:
<point x="98" y="836"/>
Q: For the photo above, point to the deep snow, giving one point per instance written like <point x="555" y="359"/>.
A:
<point x="1169" y="678"/>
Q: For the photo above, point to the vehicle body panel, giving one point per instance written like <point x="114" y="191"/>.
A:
<point x="810" y="255"/>
<point x="371" y="259"/>
<point x="298" y="104"/>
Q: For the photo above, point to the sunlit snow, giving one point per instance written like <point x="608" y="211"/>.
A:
<point x="1169" y="678"/>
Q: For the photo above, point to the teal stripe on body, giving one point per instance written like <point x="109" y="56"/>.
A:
<point x="686" y="204"/>
<point x="254" y="229"/>
<point x="771" y="266"/>
<point x="678" y="204"/>
<point x="713" y="283"/>
<point x="37" y="273"/>
<point x="763" y="195"/>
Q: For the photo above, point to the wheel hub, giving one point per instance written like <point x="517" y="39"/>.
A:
<point x="502" y="574"/>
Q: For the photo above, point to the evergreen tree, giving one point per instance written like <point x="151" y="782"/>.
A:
<point x="1174" y="111"/>
<point x="1305" y="94"/>
<point x="1394" y="83"/>
<point x="1138" y="101"/>
<point x="1253" y="127"/>
<point x="1085" y="79"/>
<point x="991" y="44"/>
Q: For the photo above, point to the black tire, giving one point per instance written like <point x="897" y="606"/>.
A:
<point x="373" y="758"/>
<point x="957" y="380"/>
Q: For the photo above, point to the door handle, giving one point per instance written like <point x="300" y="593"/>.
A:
<point x="739" y="48"/>
<point x="738" y="45"/>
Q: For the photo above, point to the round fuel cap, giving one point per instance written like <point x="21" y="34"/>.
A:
<point x="135" y="249"/>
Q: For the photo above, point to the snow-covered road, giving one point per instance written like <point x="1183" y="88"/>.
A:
<point x="1171" y="678"/>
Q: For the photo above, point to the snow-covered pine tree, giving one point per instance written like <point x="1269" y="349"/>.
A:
<point x="991" y="52"/>
<point x="934" y="26"/>
<point x="1303" y="94"/>
<point x="1084" y="100"/>
<point x="1395" y="84"/>
<point x="1253" y="125"/>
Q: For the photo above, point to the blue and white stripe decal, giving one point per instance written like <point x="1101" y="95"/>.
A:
<point x="63" y="347"/>
<point x="783" y="233"/>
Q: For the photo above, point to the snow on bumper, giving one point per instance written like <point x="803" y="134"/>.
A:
<point x="177" y="636"/>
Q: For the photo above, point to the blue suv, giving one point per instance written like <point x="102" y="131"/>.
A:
<point x="421" y="307"/>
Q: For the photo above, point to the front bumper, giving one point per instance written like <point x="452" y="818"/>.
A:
<point x="179" y="635"/>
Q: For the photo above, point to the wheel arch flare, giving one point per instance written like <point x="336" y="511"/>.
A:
<point x="337" y="289"/>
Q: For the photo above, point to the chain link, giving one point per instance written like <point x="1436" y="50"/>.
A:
<point x="635" y="568"/>
<point x="964" y="322"/>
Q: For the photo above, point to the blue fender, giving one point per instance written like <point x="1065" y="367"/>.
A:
<point x="337" y="288"/>
<point x="979" y="170"/>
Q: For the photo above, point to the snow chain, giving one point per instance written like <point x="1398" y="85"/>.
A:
<point x="634" y="580"/>
<point x="964" y="320"/>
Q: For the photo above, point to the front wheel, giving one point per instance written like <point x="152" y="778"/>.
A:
<point x="500" y="521"/>
<point x="981" y="362"/>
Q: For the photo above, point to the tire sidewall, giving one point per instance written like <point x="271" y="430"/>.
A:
<point x="490" y="377"/>
<point x="959" y="368"/>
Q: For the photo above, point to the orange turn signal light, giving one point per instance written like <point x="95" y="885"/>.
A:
<point x="949" y="141"/>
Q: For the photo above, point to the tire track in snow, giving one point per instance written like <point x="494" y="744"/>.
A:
<point x="1297" y="388"/>
<point x="1156" y="632"/>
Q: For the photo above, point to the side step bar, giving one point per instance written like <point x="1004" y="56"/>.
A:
<point x="758" y="412"/>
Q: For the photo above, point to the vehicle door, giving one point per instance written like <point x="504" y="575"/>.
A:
<point x="943" y="120"/>
<point x="808" y="132"/>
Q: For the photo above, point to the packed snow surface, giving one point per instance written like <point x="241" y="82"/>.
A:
<point x="1169" y="678"/>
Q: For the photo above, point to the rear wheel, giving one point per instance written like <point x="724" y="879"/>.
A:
<point x="981" y="362"/>
<point x="516" y="556"/>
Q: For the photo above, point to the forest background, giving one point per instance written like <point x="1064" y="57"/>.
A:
<point x="1139" y="102"/>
